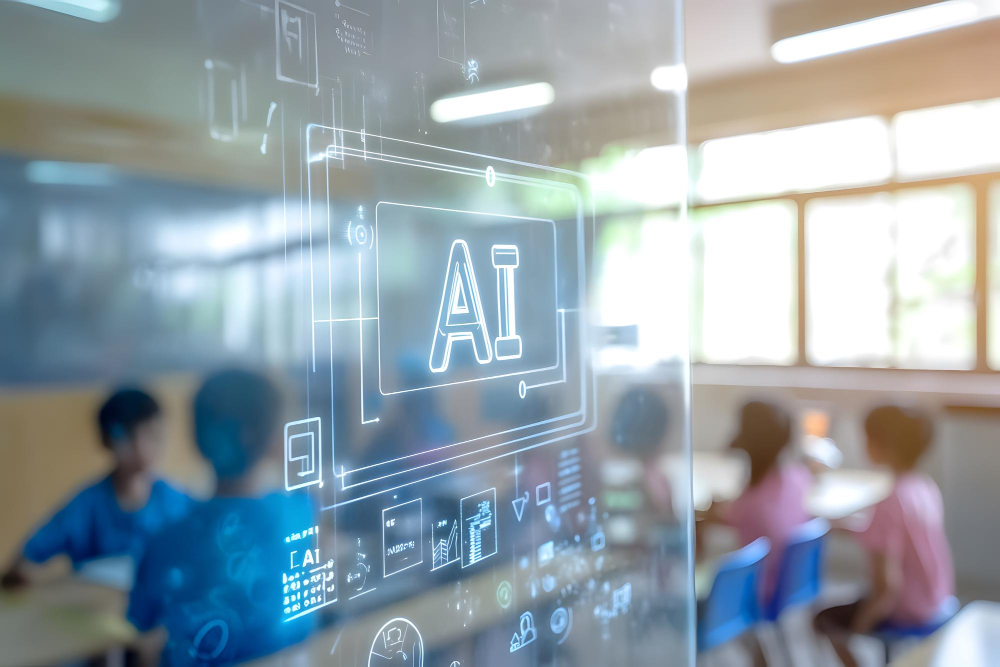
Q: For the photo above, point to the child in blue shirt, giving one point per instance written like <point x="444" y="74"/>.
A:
<point x="212" y="582"/>
<point x="117" y="514"/>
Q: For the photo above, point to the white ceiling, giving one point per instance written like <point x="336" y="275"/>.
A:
<point x="727" y="37"/>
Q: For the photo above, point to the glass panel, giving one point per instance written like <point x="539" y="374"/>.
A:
<point x="890" y="279"/>
<point x="454" y="426"/>
<point x="955" y="139"/>
<point x="745" y="307"/>
<point x="994" y="277"/>
<point x="854" y="152"/>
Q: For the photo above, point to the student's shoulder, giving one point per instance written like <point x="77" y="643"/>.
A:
<point x="92" y="492"/>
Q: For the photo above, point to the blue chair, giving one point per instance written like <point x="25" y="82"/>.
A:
<point x="800" y="575"/>
<point x="732" y="606"/>
<point x="891" y="634"/>
<point x="800" y="571"/>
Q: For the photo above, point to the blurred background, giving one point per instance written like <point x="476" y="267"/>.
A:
<point x="833" y="210"/>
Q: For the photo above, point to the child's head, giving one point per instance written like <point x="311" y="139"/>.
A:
<point x="765" y="429"/>
<point x="236" y="418"/>
<point x="898" y="436"/>
<point x="131" y="427"/>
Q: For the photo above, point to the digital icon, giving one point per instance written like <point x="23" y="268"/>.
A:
<point x="210" y="641"/>
<point x="357" y="576"/>
<point x="548" y="583"/>
<point x="543" y="494"/>
<point x="303" y="453"/>
<point x="360" y="233"/>
<point x="397" y="644"/>
<point x="223" y="100"/>
<point x="460" y="316"/>
<point x="597" y="540"/>
<point x="295" y="32"/>
<point x="508" y="343"/>
<point x="546" y="553"/>
<point x="402" y="537"/>
<point x="570" y="483"/>
<point x="479" y="527"/>
<point x="519" y="505"/>
<point x="505" y="594"/>
<point x="444" y="538"/>
<point x="472" y="71"/>
<point x="621" y="602"/>
<point x="451" y="30"/>
<point x="526" y="632"/>
<point x="561" y="623"/>
<point x="267" y="126"/>
<point x="622" y="599"/>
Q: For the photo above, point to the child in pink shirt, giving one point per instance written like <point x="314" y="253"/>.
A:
<point x="912" y="572"/>
<point x="772" y="504"/>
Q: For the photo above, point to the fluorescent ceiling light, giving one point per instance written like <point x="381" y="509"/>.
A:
<point x="503" y="100"/>
<point x="670" y="78"/>
<point x="99" y="11"/>
<point x="878" y="30"/>
<point x="45" y="172"/>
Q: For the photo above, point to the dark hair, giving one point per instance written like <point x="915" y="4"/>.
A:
<point x="905" y="431"/>
<point x="640" y="421"/>
<point x="235" y="416"/>
<point x="123" y="411"/>
<point x="765" y="430"/>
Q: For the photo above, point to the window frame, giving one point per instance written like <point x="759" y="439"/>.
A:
<point x="980" y="183"/>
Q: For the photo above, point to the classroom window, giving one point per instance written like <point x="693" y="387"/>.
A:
<point x="954" y="139"/>
<point x="890" y="279"/>
<point x="745" y="277"/>
<point x="800" y="159"/>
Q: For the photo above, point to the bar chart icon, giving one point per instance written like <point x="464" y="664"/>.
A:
<point x="479" y="527"/>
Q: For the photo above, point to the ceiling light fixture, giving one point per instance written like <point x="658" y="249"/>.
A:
<point x="874" y="31"/>
<point x="670" y="78"/>
<point x="491" y="102"/>
<point x="99" y="11"/>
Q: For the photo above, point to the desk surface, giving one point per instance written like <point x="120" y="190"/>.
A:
<point x="971" y="639"/>
<point x="61" y="621"/>
<point x="720" y="476"/>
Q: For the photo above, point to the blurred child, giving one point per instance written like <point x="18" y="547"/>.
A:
<point x="212" y="582"/>
<point x="911" y="567"/>
<point x="117" y="514"/>
<point x="771" y="506"/>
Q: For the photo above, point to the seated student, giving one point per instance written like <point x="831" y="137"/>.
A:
<point x="117" y="514"/>
<point x="771" y="506"/>
<point x="911" y="567"/>
<point x="212" y="582"/>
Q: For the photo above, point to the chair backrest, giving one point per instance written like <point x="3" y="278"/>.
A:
<point x="732" y="606"/>
<point x="800" y="571"/>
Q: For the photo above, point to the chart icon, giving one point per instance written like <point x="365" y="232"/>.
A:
<point x="479" y="527"/>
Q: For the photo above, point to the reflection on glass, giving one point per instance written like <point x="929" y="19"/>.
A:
<point x="476" y="376"/>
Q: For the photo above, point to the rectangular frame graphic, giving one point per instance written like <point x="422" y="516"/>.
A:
<point x="383" y="476"/>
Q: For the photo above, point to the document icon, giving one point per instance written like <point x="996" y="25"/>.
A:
<point x="303" y="453"/>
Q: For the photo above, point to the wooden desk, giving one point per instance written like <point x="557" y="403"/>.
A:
<point x="721" y="476"/>
<point x="837" y="494"/>
<point x="971" y="639"/>
<point x="61" y="621"/>
<point x="717" y="476"/>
